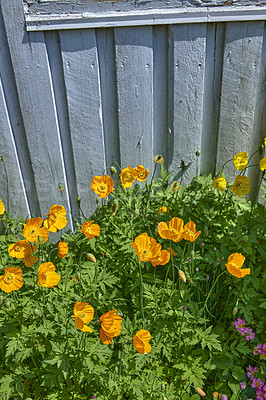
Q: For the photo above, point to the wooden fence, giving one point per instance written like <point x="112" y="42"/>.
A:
<point x="75" y="99"/>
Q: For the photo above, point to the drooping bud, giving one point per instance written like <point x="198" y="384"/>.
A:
<point x="36" y="312"/>
<point x="61" y="189"/>
<point x="113" y="170"/>
<point x="197" y="153"/>
<point x="192" y="254"/>
<point x="8" y="305"/>
<point x="182" y="275"/>
<point x="91" y="257"/>
<point x="78" y="201"/>
<point x="114" y="206"/>
<point x="78" y="276"/>
<point x="1" y="299"/>
<point x="136" y="213"/>
<point x="200" y="392"/>
<point x="261" y="148"/>
<point x="2" y="159"/>
<point x="162" y="386"/>
<point x="235" y="310"/>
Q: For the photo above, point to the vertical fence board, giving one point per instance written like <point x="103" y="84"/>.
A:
<point x="242" y="55"/>
<point x="12" y="189"/>
<point x="187" y="65"/>
<point x="82" y="80"/>
<point x="36" y="97"/>
<point x="134" y="63"/>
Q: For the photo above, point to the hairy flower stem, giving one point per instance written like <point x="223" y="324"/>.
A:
<point x="207" y="298"/>
<point x="141" y="296"/>
<point x="221" y="170"/>
<point x="154" y="284"/>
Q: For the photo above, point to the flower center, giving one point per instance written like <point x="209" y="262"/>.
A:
<point x="102" y="187"/>
<point x="9" y="277"/>
<point x="18" y="247"/>
<point x="142" y="174"/>
<point x="81" y="315"/>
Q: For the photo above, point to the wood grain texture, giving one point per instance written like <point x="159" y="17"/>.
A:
<point x="37" y="102"/>
<point x="186" y="88"/>
<point x="82" y="80"/>
<point x="134" y="63"/>
<point x="240" y="79"/>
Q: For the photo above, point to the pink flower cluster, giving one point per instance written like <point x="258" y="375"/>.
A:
<point x="239" y="324"/>
<point x="257" y="383"/>
<point x="260" y="349"/>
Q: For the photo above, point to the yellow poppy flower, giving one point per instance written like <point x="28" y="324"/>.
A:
<point x="90" y="229"/>
<point x="241" y="186"/>
<point x="141" y="341"/>
<point x="102" y="185"/>
<point x="32" y="229"/>
<point x="11" y="280"/>
<point x="189" y="232"/>
<point x="29" y="260"/>
<point x="56" y="218"/>
<point x="158" y="159"/>
<point x="2" y="207"/>
<point x="234" y="265"/>
<point x="47" y="277"/>
<point x="219" y="183"/>
<point x="163" y="210"/>
<point x="172" y="230"/>
<point x="240" y="160"/>
<point x="146" y="247"/>
<point x="162" y="259"/>
<point x="19" y="249"/>
<point x="83" y="314"/>
<point x="62" y="249"/>
<point x="110" y="326"/>
<point x="263" y="164"/>
<point x="127" y="177"/>
<point x="141" y="173"/>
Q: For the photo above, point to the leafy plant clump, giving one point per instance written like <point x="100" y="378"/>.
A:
<point x="159" y="295"/>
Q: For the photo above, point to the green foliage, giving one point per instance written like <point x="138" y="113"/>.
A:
<point x="194" y="345"/>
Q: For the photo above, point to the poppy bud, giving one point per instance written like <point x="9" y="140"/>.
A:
<point x="205" y="230"/>
<point x="164" y="398"/>
<point x="197" y="153"/>
<point x="113" y="170"/>
<point x="245" y="239"/>
<point x="1" y="299"/>
<point x="182" y="275"/>
<point x="90" y="257"/>
<point x="36" y="312"/>
<point x="78" y="201"/>
<point x="61" y="189"/>
<point x="2" y="158"/>
<point x="8" y="305"/>
<point x="114" y="206"/>
<point x="215" y="394"/>
<point x="162" y="386"/>
<point x="200" y="392"/>
<point x="261" y="148"/>
<point x="192" y="254"/>
<point x="235" y="309"/>
<point x="78" y="276"/>
<point x="190" y="280"/>
<point x="136" y="213"/>
<point x="97" y="200"/>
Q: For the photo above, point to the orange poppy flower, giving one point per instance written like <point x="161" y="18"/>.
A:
<point x="2" y="207"/>
<point x="127" y="176"/>
<point x="162" y="259"/>
<point x="189" y="232"/>
<point x="90" y="229"/>
<point x="11" y="280"/>
<point x="29" y="260"/>
<point x="110" y="326"/>
<point x="234" y="265"/>
<point x="146" y="247"/>
<point x="172" y="230"/>
<point x="32" y="229"/>
<point x="141" y="341"/>
<point x="141" y="173"/>
<point x="19" y="249"/>
<point x="102" y="185"/>
<point x="47" y="277"/>
<point x="83" y="314"/>
<point x="56" y="218"/>
<point x="62" y="249"/>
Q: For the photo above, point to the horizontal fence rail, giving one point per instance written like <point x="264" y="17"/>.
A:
<point x="74" y="102"/>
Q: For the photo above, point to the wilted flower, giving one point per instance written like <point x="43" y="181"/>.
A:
<point x="263" y="164"/>
<point x="62" y="249"/>
<point x="83" y="314"/>
<point x="110" y="326"/>
<point x="141" y="341"/>
<point x="234" y="265"/>
<point x="241" y="186"/>
<point x="219" y="183"/>
<point x="240" y="160"/>
<point x="32" y="230"/>
<point x="127" y="177"/>
<point x="90" y="229"/>
<point x="141" y="173"/>
<point x="11" y="280"/>
<point x="102" y="185"/>
<point x="172" y="230"/>
<point x="47" y="277"/>
<point x="158" y="159"/>
<point x="56" y="218"/>
<point x="2" y="207"/>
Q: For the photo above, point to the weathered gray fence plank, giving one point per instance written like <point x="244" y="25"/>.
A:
<point x="242" y="55"/>
<point x="134" y="62"/>
<point x="36" y="97"/>
<point x="82" y="79"/>
<point x="187" y="64"/>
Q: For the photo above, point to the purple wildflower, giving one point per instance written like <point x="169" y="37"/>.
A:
<point x="242" y="385"/>
<point x="202" y="244"/>
<point x="251" y="371"/>
<point x="239" y="324"/>
<point x="197" y="270"/>
<point x="223" y="397"/>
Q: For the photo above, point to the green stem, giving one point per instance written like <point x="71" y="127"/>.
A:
<point x="141" y="296"/>
<point x="179" y="335"/>
<point x="154" y="285"/>
<point x="207" y="298"/>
